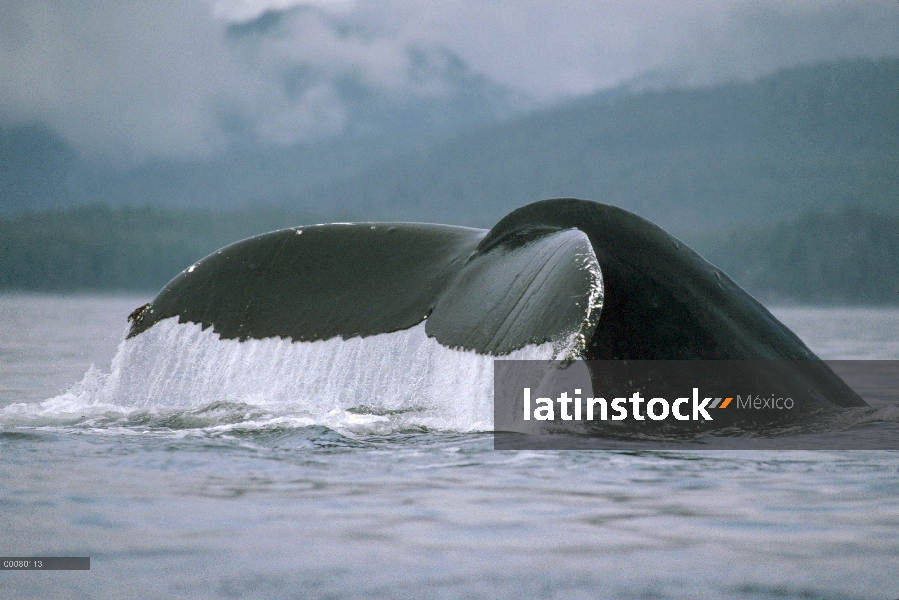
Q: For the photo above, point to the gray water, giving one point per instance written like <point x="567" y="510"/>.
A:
<point x="235" y="497"/>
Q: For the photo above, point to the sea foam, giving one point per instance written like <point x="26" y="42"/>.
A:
<point x="403" y="379"/>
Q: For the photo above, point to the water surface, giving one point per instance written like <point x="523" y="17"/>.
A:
<point x="231" y="498"/>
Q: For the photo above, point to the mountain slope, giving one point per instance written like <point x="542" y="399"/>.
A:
<point x="690" y="160"/>
<point x="850" y="256"/>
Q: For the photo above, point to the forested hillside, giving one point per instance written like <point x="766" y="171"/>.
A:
<point x="850" y="256"/>
<point x="98" y="248"/>
<point x="742" y="154"/>
<point x="693" y="160"/>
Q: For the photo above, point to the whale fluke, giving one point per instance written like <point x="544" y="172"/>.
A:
<point x="348" y="280"/>
<point x="599" y="281"/>
<point x="542" y="287"/>
<point x="318" y="282"/>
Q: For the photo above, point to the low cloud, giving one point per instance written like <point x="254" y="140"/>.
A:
<point x="127" y="81"/>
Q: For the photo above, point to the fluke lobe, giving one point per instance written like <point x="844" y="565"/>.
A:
<point x="596" y="280"/>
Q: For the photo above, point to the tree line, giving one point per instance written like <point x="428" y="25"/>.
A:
<point x="850" y="256"/>
<point x="105" y="249"/>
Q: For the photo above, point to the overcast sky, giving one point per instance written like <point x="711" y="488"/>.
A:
<point x="124" y="81"/>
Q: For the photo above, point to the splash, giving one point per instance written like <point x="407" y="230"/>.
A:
<point x="178" y="375"/>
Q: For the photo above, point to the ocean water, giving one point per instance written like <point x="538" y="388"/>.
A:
<point x="190" y="468"/>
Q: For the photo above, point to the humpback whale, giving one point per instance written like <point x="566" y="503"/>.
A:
<point x="595" y="281"/>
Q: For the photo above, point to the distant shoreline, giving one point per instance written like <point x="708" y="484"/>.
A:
<point x="842" y="258"/>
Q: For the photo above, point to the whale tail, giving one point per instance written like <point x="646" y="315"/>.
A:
<point x="596" y="281"/>
<point x="319" y="282"/>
